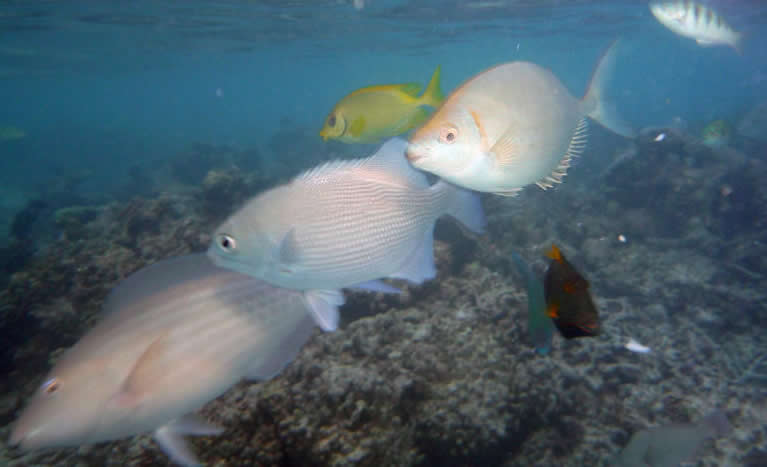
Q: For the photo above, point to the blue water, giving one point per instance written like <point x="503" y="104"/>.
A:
<point x="106" y="85"/>
<point x="100" y="87"/>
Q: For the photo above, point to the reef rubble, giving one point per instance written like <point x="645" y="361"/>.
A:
<point x="444" y="374"/>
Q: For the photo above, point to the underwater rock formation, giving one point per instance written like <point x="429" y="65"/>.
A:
<point x="444" y="374"/>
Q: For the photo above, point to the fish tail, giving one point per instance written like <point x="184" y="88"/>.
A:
<point x="594" y="103"/>
<point x="464" y="206"/>
<point x="433" y="95"/>
<point x="539" y="325"/>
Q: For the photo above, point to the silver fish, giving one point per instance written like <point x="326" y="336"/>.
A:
<point x="344" y="224"/>
<point x="175" y="335"/>
<point x="511" y="126"/>
<point x="695" y="21"/>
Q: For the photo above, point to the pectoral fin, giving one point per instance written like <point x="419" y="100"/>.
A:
<point x="290" y="253"/>
<point x="323" y="306"/>
<point x="145" y="373"/>
<point x="506" y="150"/>
<point x="357" y="127"/>
<point x="170" y="438"/>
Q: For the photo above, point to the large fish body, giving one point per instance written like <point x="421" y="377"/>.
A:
<point x="175" y="335"/>
<point x="511" y="126"/>
<point x="344" y="224"/>
<point x="695" y="21"/>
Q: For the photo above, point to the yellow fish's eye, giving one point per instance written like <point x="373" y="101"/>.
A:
<point x="227" y="243"/>
<point x="332" y="120"/>
<point x="448" y="134"/>
<point x="50" y="386"/>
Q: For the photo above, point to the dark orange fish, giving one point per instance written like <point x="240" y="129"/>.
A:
<point x="568" y="301"/>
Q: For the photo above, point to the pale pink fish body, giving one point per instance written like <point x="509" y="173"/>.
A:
<point x="510" y="126"/>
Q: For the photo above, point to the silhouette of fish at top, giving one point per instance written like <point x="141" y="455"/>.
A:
<point x="568" y="300"/>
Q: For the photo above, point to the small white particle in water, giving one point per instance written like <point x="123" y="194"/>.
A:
<point x="622" y="238"/>
<point x="660" y="137"/>
<point x="517" y="46"/>
<point x="219" y="92"/>
<point x="358" y="4"/>
<point x="635" y="346"/>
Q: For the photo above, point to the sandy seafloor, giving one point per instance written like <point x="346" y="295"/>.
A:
<point x="444" y="374"/>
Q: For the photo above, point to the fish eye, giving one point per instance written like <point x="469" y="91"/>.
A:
<point x="50" y="386"/>
<point x="227" y="243"/>
<point x="448" y="134"/>
<point x="332" y="120"/>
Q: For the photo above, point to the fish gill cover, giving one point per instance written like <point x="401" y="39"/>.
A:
<point x="146" y="124"/>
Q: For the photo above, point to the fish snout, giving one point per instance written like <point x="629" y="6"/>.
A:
<point x="414" y="153"/>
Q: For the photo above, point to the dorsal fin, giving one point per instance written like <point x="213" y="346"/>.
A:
<point x="390" y="158"/>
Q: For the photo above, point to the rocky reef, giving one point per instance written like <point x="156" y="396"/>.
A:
<point x="670" y="234"/>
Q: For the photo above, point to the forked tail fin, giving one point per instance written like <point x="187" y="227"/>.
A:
<point x="595" y="105"/>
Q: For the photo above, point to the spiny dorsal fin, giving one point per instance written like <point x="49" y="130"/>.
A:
<point x="390" y="159"/>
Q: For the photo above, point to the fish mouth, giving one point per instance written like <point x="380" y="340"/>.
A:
<point x="412" y="155"/>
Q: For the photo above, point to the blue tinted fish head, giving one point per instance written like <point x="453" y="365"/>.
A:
<point x="252" y="253"/>
<point x="69" y="408"/>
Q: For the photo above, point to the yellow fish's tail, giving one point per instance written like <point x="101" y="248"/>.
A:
<point x="433" y="96"/>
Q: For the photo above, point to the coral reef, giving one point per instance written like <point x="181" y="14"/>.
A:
<point x="444" y="373"/>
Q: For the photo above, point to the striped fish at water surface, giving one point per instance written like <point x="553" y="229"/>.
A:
<point x="175" y="335"/>
<point x="344" y="224"/>
<point x="696" y="21"/>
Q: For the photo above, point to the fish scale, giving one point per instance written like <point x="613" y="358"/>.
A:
<point x="344" y="223"/>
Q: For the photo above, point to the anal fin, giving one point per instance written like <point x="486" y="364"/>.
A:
<point x="574" y="149"/>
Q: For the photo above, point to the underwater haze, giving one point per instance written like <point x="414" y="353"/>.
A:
<point x="130" y="130"/>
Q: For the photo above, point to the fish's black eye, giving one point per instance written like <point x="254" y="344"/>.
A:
<point x="332" y="120"/>
<point x="227" y="243"/>
<point x="51" y="386"/>
<point x="448" y="134"/>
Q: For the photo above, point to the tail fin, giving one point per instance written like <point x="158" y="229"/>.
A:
<point x="539" y="325"/>
<point x="433" y="95"/>
<point x="717" y="424"/>
<point x="594" y="103"/>
<point x="464" y="206"/>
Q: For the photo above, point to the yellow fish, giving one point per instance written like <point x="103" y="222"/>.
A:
<point x="374" y="113"/>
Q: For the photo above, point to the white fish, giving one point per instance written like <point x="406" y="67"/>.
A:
<point x="344" y="224"/>
<point x="635" y="346"/>
<point x="175" y="335"/>
<point x="511" y="126"/>
<point x="696" y="21"/>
